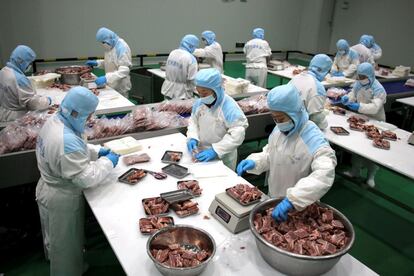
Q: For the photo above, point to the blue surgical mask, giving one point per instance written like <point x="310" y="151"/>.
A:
<point x="208" y="100"/>
<point x="364" y="82"/>
<point x="342" y="52"/>
<point x="286" y="126"/>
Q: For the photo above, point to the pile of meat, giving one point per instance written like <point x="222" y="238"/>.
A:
<point x="155" y="206"/>
<point x="177" y="106"/>
<point x="87" y="76"/>
<point x="313" y="231"/>
<point x="185" y="208"/>
<point x="136" y="158"/>
<point x="74" y="70"/>
<point x="136" y="176"/>
<point x="356" y="123"/>
<point x="64" y="87"/>
<point x="42" y="72"/>
<point x="389" y="135"/>
<point x="178" y="256"/>
<point x="95" y="91"/>
<point x="147" y="119"/>
<point x="191" y="185"/>
<point x="384" y="71"/>
<point x="173" y="156"/>
<point x="338" y="110"/>
<point x="297" y="71"/>
<point x="335" y="93"/>
<point x="104" y="127"/>
<point x="339" y="130"/>
<point x="152" y="224"/>
<point x="381" y="143"/>
<point x="372" y="132"/>
<point x="254" y="105"/>
<point x="244" y="193"/>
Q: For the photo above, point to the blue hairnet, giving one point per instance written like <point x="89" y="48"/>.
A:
<point x="286" y="98"/>
<point x="189" y="43"/>
<point x="107" y="36"/>
<point x="81" y="100"/>
<point x="320" y="66"/>
<point x="22" y="57"/>
<point x="366" y="40"/>
<point x="366" y="69"/>
<point x="258" y="33"/>
<point x="342" y="45"/>
<point x="209" y="36"/>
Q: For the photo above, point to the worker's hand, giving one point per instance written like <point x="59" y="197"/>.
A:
<point x="353" y="106"/>
<point x="280" y="212"/>
<point x="244" y="166"/>
<point x="206" y="155"/>
<point x="192" y="144"/>
<point x="113" y="157"/>
<point x="91" y="63"/>
<point x="103" y="152"/>
<point x="337" y="74"/>
<point x="100" y="81"/>
<point x="344" y="99"/>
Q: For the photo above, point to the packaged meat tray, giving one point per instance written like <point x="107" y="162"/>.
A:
<point x="381" y="144"/>
<point x="175" y="170"/>
<point x="339" y="130"/>
<point x="136" y="158"/>
<point x="171" y="157"/>
<point x="244" y="194"/>
<point x="150" y="225"/>
<point x="185" y="208"/>
<point x="191" y="185"/>
<point x="389" y="135"/>
<point x="132" y="176"/>
<point x="155" y="206"/>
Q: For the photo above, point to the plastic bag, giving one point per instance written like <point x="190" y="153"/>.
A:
<point x="254" y="105"/>
<point x="177" y="106"/>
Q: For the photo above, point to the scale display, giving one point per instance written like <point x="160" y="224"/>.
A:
<point x="223" y="214"/>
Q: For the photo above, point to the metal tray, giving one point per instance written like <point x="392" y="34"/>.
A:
<point x="124" y="176"/>
<point x="177" y="196"/>
<point x="183" y="216"/>
<point x="335" y="130"/>
<point x="166" y="158"/>
<point x="195" y="195"/>
<point x="148" y="218"/>
<point x="242" y="203"/>
<point x="160" y="214"/>
<point x="175" y="170"/>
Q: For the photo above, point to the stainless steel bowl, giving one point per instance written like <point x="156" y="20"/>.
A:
<point x="72" y="78"/>
<point x="295" y="264"/>
<point x="184" y="235"/>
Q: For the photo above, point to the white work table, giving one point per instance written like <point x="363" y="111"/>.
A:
<point x="251" y="90"/>
<point x="118" y="208"/>
<point x="390" y="76"/>
<point x="408" y="101"/>
<point x="398" y="158"/>
<point x="109" y="99"/>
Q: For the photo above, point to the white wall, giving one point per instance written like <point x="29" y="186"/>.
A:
<point x="390" y="22"/>
<point x="58" y="29"/>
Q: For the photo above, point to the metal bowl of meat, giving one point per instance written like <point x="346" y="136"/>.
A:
<point x="181" y="250"/>
<point x="291" y="255"/>
<point x="72" y="74"/>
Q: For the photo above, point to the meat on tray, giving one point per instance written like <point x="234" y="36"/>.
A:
<point x="178" y="256"/>
<point x="371" y="128"/>
<point x="174" y="156"/>
<point x="136" y="176"/>
<point x="73" y="70"/>
<point x="386" y="134"/>
<point x="42" y="72"/>
<point x="95" y="91"/>
<point x="152" y="224"/>
<point x="297" y="71"/>
<point x="356" y="119"/>
<point x="356" y="126"/>
<point x="381" y="143"/>
<point x="87" y="76"/>
<point x="136" y="158"/>
<point x="64" y="87"/>
<point x="155" y="206"/>
<point x="313" y="232"/>
<point x="185" y="208"/>
<point x="339" y="111"/>
<point x="191" y="185"/>
<point x="339" y="130"/>
<point x="245" y="193"/>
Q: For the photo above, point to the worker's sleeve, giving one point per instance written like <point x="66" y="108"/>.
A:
<point x="351" y="95"/>
<point x="29" y="98"/>
<point x="311" y="188"/>
<point x="84" y="173"/>
<point x="124" y="63"/>
<point x="93" y="151"/>
<point x="101" y="63"/>
<point x="334" y="65"/>
<point x="207" y="52"/>
<point x="191" y="73"/>
<point x="200" y="53"/>
<point x="261" y="160"/>
<point x="192" y="129"/>
<point x="376" y="52"/>
<point x="233" y="138"/>
<point x="350" y="71"/>
<point x="376" y="103"/>
<point x="268" y="50"/>
<point x="319" y="118"/>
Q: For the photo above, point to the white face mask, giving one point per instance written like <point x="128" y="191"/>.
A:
<point x="107" y="47"/>
<point x="286" y="126"/>
<point x="342" y="52"/>
<point x="364" y="82"/>
<point x="208" y="100"/>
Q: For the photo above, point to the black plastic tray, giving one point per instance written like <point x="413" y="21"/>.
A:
<point x="124" y="176"/>
<point x="177" y="196"/>
<point x="195" y="195"/>
<point x="173" y="207"/>
<point x="175" y="170"/>
<point x="160" y="214"/>
<point x="345" y="132"/>
<point x="166" y="157"/>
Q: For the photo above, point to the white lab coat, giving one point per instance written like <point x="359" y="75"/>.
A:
<point x="347" y="64"/>
<point x="364" y="54"/>
<point x="376" y="52"/>
<point x="117" y="63"/>
<point x="213" y="55"/>
<point x="180" y="72"/>
<point x="17" y="99"/>
<point x="257" y="50"/>
<point x="298" y="167"/>
<point x="67" y="166"/>
<point x="313" y="95"/>
<point x="222" y="127"/>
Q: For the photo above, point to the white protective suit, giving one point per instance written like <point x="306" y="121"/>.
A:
<point x="221" y="126"/>
<point x="347" y="61"/>
<point x="301" y="164"/>
<point x="212" y="53"/>
<point x="364" y="54"/>
<point x="67" y="166"/>
<point x="369" y="42"/>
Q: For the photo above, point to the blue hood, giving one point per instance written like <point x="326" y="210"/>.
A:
<point x="342" y="45"/>
<point x="258" y="33"/>
<point x="286" y="98"/>
<point x="367" y="40"/>
<point x="107" y="36"/>
<point x="211" y="78"/>
<point x="209" y="36"/>
<point x="365" y="69"/>
<point x="22" y="57"/>
<point x="320" y="66"/>
<point x="189" y="43"/>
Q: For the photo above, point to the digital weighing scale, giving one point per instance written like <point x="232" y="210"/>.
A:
<point x="230" y="213"/>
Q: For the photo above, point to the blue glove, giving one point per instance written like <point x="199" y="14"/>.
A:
<point x="353" y="106"/>
<point x="103" y="151"/>
<point x="344" y="99"/>
<point x="91" y="63"/>
<point x="113" y="157"/>
<point x="337" y="74"/>
<point x="280" y="212"/>
<point x="100" y="81"/>
<point x="192" y="144"/>
<point x="245" y="165"/>
<point x="206" y="155"/>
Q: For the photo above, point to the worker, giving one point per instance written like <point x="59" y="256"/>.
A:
<point x="369" y="42"/>
<point x="67" y="166"/>
<point x="117" y="62"/>
<point x="367" y="97"/>
<point x="364" y="53"/>
<point x="300" y="162"/>
<point x="212" y="53"/>
<point x="17" y="95"/>
<point x="311" y="90"/>
<point x="180" y="70"/>
<point x="345" y="62"/>
<point x="217" y="125"/>
<point x="258" y="54"/>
